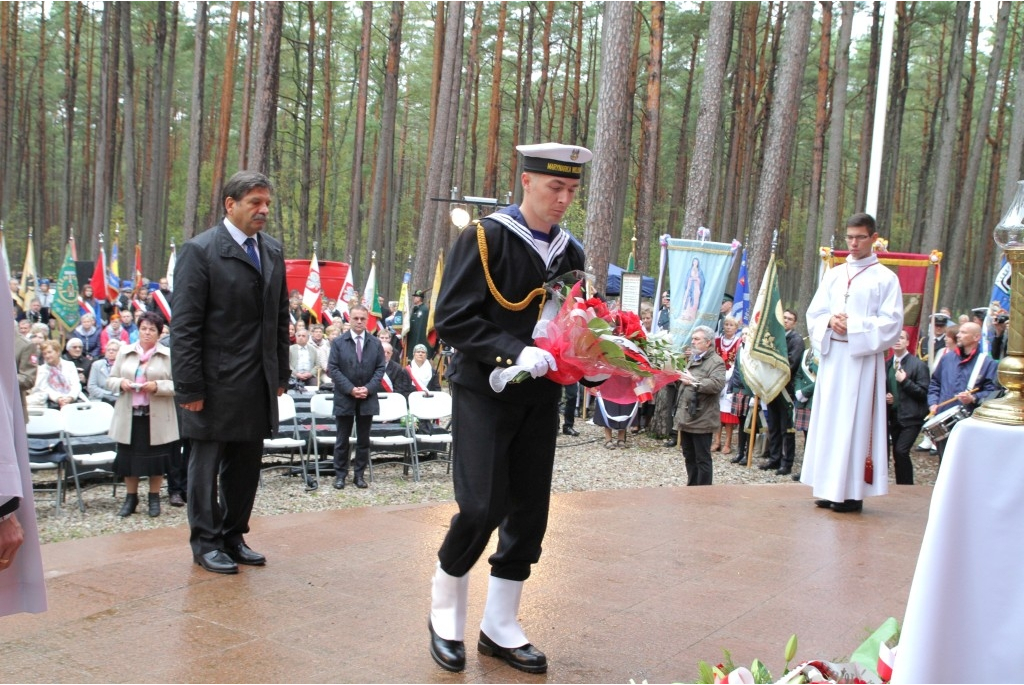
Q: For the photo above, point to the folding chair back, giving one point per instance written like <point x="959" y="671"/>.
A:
<point x="49" y="423"/>
<point x="393" y="408"/>
<point x="428" y="407"/>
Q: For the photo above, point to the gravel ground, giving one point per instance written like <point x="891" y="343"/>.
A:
<point x="581" y="464"/>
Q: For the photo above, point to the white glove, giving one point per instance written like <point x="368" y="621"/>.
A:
<point x="800" y="397"/>
<point x="597" y="377"/>
<point x="536" y="361"/>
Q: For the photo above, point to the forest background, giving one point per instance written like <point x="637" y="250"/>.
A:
<point x="744" y="117"/>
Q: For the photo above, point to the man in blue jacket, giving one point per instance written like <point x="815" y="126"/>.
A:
<point x="965" y="376"/>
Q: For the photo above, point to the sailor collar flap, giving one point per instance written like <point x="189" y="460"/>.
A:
<point x="557" y="246"/>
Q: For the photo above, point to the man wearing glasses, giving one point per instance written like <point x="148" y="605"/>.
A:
<point x="854" y="317"/>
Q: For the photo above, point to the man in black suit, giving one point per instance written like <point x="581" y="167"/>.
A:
<point x="356" y="365"/>
<point x="781" y="430"/>
<point x="906" y="394"/>
<point x="229" y="344"/>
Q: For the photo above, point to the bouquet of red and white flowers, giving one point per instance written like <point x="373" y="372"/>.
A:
<point x="588" y="340"/>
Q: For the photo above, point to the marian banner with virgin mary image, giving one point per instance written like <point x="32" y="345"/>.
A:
<point x="698" y="271"/>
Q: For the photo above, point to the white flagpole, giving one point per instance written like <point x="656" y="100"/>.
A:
<point x="881" y="104"/>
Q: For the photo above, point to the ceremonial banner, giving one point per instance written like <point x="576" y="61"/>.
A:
<point x="138" y="268"/>
<point x="3" y="252"/>
<point x="1001" y="286"/>
<point x="99" y="278"/>
<point x="65" y="299"/>
<point x="311" y="299"/>
<point x="434" y="292"/>
<point x="113" y="289"/>
<point x="402" y="321"/>
<point x="345" y="292"/>
<point x="741" y="294"/>
<point x="764" y="360"/>
<point x="170" y="267"/>
<point x="698" y="271"/>
<point x="912" y="271"/>
<point x="370" y="300"/>
<point x="27" y="290"/>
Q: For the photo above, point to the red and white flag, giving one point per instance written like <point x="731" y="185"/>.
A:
<point x="345" y="294"/>
<point x="311" y="299"/>
<point x="162" y="304"/>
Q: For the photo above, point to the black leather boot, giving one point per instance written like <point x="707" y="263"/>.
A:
<point x="154" y="504"/>
<point x="130" y="502"/>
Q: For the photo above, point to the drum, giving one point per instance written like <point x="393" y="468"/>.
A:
<point x="938" y="427"/>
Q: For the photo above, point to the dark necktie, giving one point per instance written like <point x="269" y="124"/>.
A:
<point x="250" y="249"/>
<point x="359" y="347"/>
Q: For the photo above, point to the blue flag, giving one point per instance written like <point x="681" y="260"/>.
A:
<point x="1001" y="288"/>
<point x="741" y="294"/>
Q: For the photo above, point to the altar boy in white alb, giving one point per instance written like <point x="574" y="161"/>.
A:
<point x="854" y="317"/>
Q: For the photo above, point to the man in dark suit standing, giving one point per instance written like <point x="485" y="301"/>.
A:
<point x="229" y="344"/>
<point x="906" y="385"/>
<point x="356" y="365"/>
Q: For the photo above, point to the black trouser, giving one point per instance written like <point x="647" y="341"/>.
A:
<point x="903" y="437"/>
<point x="222" y="482"/>
<point x="503" y="456"/>
<point x="697" y="456"/>
<point x="572" y="394"/>
<point x="781" y="436"/>
<point x="342" y="446"/>
<point x="177" y="469"/>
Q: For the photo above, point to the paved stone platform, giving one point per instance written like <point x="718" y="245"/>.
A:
<point x="637" y="584"/>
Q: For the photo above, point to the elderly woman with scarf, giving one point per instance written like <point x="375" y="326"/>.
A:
<point x="423" y="375"/>
<point x="145" y="424"/>
<point x="57" y="380"/>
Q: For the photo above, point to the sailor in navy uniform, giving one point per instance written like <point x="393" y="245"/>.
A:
<point x="503" y="443"/>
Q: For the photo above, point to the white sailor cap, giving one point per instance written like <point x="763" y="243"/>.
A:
<point x="555" y="159"/>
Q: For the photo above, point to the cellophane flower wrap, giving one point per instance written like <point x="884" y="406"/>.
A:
<point x="587" y="339"/>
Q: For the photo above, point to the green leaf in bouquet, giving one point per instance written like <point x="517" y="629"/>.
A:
<point x="760" y="672"/>
<point x="706" y="674"/>
<point x="866" y="655"/>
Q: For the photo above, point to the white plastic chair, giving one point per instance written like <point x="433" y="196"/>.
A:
<point x="49" y="423"/>
<point x="432" y="406"/>
<point x="287" y="443"/>
<point x="393" y="408"/>
<point x="321" y="407"/>
<point x="85" y="419"/>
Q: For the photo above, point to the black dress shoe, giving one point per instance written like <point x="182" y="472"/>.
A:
<point x="176" y="500"/>
<point x="359" y="482"/>
<point x="448" y="654"/>
<point x="848" y="506"/>
<point x="670" y="443"/>
<point x="243" y="554"/>
<point x="770" y="466"/>
<point x="784" y="471"/>
<point x="823" y="503"/>
<point x="796" y="476"/>
<point x="339" y="483"/>
<point x="526" y="658"/>
<point x="216" y="561"/>
<point x="738" y="459"/>
<point x="569" y="430"/>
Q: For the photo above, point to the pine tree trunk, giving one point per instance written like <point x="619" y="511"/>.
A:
<point x="250" y="64"/>
<point x="808" y="264"/>
<point x="131" y="209"/>
<point x="224" y="118"/>
<point x="325" y="136"/>
<point x="494" y="122"/>
<point x="708" y="119"/>
<point x="195" y="137"/>
<point x="261" y="135"/>
<point x="779" y="139"/>
<point x="607" y="173"/>
<point x="651" y="129"/>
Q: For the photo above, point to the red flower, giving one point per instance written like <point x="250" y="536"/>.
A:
<point x="630" y="326"/>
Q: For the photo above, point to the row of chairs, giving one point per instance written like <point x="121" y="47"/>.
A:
<point x="59" y="433"/>
<point x="407" y="437"/>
